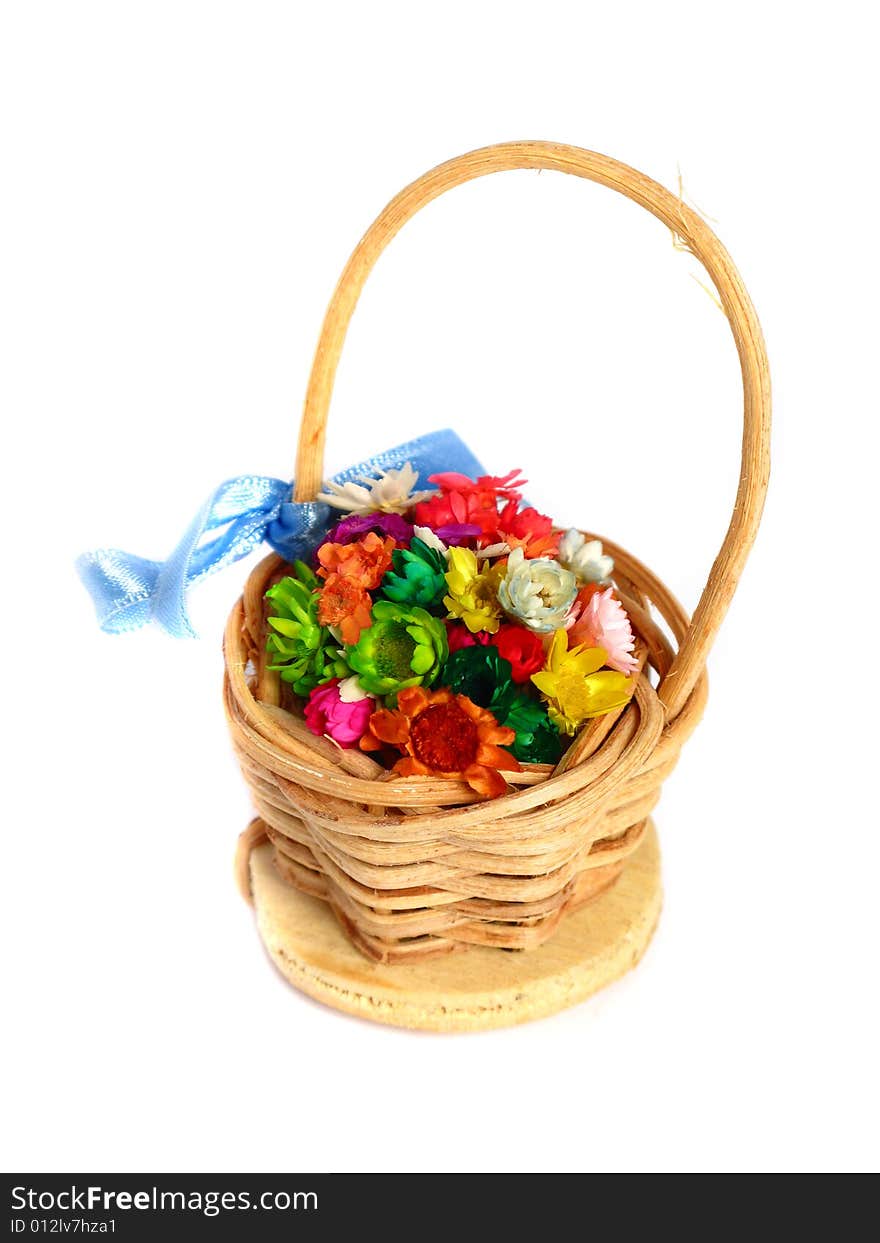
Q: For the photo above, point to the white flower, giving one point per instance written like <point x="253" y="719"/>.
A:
<point x="585" y="557"/>
<point x="429" y="537"/>
<point x="391" y="493"/>
<point x="539" y="592"/>
<point x="350" y="690"/>
<point x="494" y="550"/>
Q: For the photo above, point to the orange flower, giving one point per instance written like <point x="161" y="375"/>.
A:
<point x="344" y="603"/>
<point x="365" y="560"/>
<point x="352" y="570"/>
<point x="444" y="735"/>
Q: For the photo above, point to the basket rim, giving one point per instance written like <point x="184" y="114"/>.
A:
<point x="316" y="766"/>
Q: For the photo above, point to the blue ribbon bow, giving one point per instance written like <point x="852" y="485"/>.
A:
<point x="130" y="591"/>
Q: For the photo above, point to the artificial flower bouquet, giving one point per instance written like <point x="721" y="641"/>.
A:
<point x="451" y="632"/>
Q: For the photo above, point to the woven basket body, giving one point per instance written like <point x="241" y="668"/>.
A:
<point x="414" y="867"/>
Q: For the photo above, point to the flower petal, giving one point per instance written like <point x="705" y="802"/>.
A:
<point x="588" y="660"/>
<point x="412" y="701"/>
<point x="422" y="659"/>
<point x="407" y="766"/>
<point x="496" y="757"/>
<point x="487" y="782"/>
<point x="390" y="727"/>
<point x="545" y="681"/>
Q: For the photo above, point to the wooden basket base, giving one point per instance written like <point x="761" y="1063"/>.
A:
<point x="474" y="990"/>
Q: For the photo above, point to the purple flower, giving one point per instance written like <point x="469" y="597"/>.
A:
<point x="356" y="525"/>
<point x="456" y="532"/>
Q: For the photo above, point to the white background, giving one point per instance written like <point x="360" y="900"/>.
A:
<point x="182" y="184"/>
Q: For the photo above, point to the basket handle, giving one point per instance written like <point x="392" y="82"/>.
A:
<point x="699" y="238"/>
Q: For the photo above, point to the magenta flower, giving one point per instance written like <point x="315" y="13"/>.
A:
<point x="457" y="532"/>
<point x="356" y="525"/>
<point x="344" y="722"/>
<point x="459" y="636"/>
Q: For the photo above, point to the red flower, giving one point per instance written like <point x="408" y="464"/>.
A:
<point x="523" y="648"/>
<point x="450" y="508"/>
<point x="528" y="530"/>
<point x="509" y="486"/>
<point x="471" y="501"/>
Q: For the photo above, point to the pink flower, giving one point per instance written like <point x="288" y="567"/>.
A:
<point x="602" y="621"/>
<point x="327" y="713"/>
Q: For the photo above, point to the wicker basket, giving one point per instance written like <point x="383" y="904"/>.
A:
<point x="416" y="867"/>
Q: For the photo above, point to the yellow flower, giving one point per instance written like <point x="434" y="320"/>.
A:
<point x="574" y="688"/>
<point x="473" y="593"/>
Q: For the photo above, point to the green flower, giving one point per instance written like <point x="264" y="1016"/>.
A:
<point x="418" y="577"/>
<point x="483" y="675"/>
<point x="486" y="678"/>
<point x="537" y="739"/>
<point x="304" y="651"/>
<point x="403" y="647"/>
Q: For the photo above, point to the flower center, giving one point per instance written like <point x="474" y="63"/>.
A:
<point x="444" y="738"/>
<point x="393" y="653"/>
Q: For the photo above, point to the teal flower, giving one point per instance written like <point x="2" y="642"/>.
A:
<point x="483" y="675"/>
<point x="418" y="576"/>
<point x="303" y="651"/>
<point x="537" y="739"/>
<point x="403" y="647"/>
